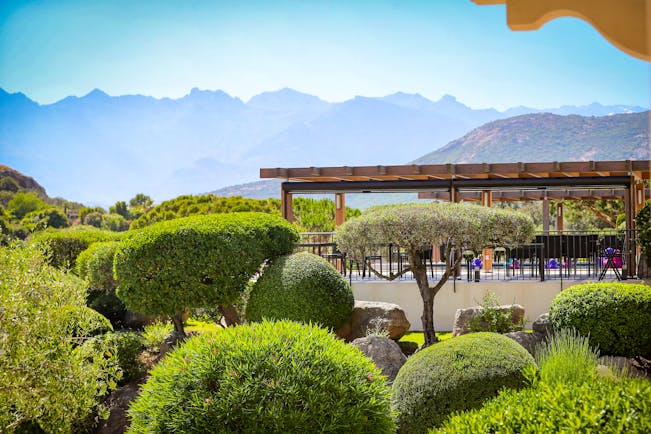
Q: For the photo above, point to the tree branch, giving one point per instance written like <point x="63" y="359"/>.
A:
<point x="389" y="278"/>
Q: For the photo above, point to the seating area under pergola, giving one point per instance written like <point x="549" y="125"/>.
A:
<point x="484" y="183"/>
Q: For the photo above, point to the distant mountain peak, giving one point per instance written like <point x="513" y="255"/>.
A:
<point x="286" y="99"/>
<point x="96" y="93"/>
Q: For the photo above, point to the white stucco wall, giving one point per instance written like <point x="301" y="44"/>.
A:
<point x="535" y="296"/>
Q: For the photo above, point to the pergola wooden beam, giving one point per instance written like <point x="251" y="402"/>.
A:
<point x="637" y="168"/>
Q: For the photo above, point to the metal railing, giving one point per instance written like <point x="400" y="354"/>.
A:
<point x="570" y="255"/>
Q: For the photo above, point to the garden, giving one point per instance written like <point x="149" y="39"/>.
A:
<point x="211" y="323"/>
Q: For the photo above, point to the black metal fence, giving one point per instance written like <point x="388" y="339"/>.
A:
<point x="568" y="255"/>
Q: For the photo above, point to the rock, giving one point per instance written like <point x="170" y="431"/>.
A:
<point x="530" y="341"/>
<point x="463" y="317"/>
<point x="542" y="324"/>
<point x="371" y="317"/>
<point x="384" y="352"/>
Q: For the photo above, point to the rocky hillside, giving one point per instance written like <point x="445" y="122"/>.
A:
<point x="550" y="137"/>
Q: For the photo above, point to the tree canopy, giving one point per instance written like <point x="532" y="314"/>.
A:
<point x="418" y="227"/>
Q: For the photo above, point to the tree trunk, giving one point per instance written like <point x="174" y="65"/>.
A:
<point x="230" y="315"/>
<point x="177" y="320"/>
<point x="420" y="274"/>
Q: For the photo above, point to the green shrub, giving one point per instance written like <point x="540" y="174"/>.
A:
<point x="267" y="377"/>
<point x="301" y="287"/>
<point x="45" y="218"/>
<point x="197" y="261"/>
<point x="566" y="358"/>
<point x="95" y="265"/>
<point x="493" y="319"/>
<point x="82" y="322"/>
<point x="600" y="406"/>
<point x="129" y="345"/>
<point x="65" y="245"/>
<point x="611" y="314"/>
<point x="457" y="374"/>
<point x="45" y="380"/>
<point x="154" y="333"/>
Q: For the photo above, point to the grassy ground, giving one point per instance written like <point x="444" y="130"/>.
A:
<point x="419" y="338"/>
<point x="195" y="325"/>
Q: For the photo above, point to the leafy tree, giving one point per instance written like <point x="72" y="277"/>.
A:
<point x="141" y="200"/>
<point x="197" y="261"/>
<point x="418" y="227"/>
<point x="23" y="203"/>
<point x="45" y="218"/>
<point x="83" y="213"/>
<point x="48" y="378"/>
<point x="93" y="219"/>
<point x="113" y="222"/>
<point x="317" y="215"/>
<point x="121" y="208"/>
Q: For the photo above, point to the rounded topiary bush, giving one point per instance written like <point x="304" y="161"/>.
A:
<point x="197" y="261"/>
<point x="301" y="287"/>
<point x="95" y="265"/>
<point x="599" y="406"/>
<point x="64" y="245"/>
<point x="82" y="322"/>
<point x="264" y="378"/>
<point x="128" y="345"/>
<point x="453" y="375"/>
<point x="615" y="316"/>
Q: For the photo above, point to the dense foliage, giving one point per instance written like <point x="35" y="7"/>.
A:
<point x="48" y="378"/>
<point x="264" y="378"/>
<point x="643" y="226"/>
<point x="184" y="206"/>
<point x="64" y="245"/>
<point x="490" y="318"/>
<point x="317" y="215"/>
<point x="456" y="374"/>
<point x="128" y="346"/>
<point x="567" y="395"/>
<point x="612" y="314"/>
<point x="197" y="261"/>
<point x="417" y="228"/>
<point x="95" y="266"/>
<point x="301" y="287"/>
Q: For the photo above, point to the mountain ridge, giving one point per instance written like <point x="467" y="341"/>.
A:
<point x="118" y="146"/>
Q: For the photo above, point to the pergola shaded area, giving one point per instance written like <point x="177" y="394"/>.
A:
<point x="485" y="182"/>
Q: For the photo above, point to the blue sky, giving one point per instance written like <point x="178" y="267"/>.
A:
<point x="333" y="49"/>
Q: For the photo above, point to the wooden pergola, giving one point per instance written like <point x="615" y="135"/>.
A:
<point x="484" y="183"/>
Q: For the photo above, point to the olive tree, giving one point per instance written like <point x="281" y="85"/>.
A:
<point x="418" y="227"/>
<point x="197" y="261"/>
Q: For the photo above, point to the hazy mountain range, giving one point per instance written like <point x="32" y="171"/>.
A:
<point x="100" y="148"/>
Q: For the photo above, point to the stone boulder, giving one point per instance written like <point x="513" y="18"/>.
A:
<point x="384" y="352"/>
<point x="530" y="341"/>
<point x="463" y="317"/>
<point x="542" y="324"/>
<point x="375" y="317"/>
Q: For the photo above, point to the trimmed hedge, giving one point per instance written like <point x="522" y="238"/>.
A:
<point x="301" y="287"/>
<point x="82" y="322"/>
<point x="65" y="245"/>
<point x="267" y="377"/>
<point x="197" y="261"/>
<point x="95" y="265"/>
<point x="614" y="315"/>
<point x="457" y="374"/>
<point x="601" y="406"/>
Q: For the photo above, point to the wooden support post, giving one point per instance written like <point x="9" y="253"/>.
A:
<point x="340" y="209"/>
<point x="286" y="205"/>
<point x="487" y="254"/>
<point x="629" y="242"/>
<point x="545" y="215"/>
<point x="559" y="217"/>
